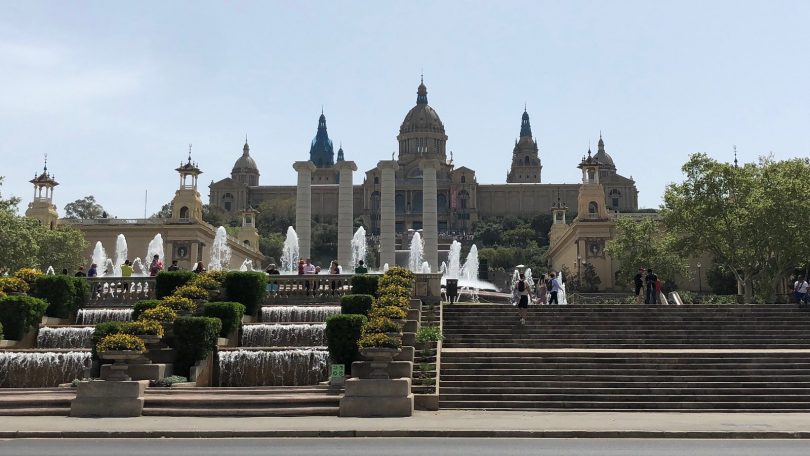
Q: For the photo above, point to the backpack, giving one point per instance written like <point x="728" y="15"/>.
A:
<point x="521" y="286"/>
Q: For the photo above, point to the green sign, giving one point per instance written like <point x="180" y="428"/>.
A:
<point x="338" y="370"/>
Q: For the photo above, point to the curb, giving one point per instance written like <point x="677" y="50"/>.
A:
<point x="578" y="434"/>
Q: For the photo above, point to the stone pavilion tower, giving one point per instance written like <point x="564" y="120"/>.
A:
<point x="42" y="207"/>
<point x="187" y="205"/>
<point x="526" y="166"/>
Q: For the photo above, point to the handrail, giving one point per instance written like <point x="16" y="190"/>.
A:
<point x="120" y="290"/>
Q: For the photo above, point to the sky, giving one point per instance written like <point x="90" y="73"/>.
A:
<point x="114" y="92"/>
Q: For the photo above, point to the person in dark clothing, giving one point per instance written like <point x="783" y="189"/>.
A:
<point x="638" y="282"/>
<point x="651" y="280"/>
<point x="174" y="266"/>
<point x="80" y="272"/>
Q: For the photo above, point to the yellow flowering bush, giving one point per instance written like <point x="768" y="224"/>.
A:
<point x="120" y="342"/>
<point x="159" y="313"/>
<point x="179" y="304"/>
<point x="192" y="292"/>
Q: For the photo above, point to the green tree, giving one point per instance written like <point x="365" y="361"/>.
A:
<point x="18" y="241"/>
<point x="272" y="246"/>
<point x="8" y="204"/>
<point x="84" y="209"/>
<point x="275" y="216"/>
<point x="642" y="243"/>
<point x="749" y="218"/>
<point x="590" y="280"/>
<point x="62" y="248"/>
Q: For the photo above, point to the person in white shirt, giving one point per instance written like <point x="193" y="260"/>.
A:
<point x="800" y="289"/>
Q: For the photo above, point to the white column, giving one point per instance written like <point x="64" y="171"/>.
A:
<point x="303" y="207"/>
<point x="345" y="214"/>
<point x="430" y="222"/>
<point x="387" y="222"/>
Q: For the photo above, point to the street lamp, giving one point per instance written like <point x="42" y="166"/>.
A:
<point x="579" y="273"/>
<point x="700" y="281"/>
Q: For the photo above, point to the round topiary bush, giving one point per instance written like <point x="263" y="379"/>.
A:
<point x="121" y="342"/>
<point x="342" y="334"/>
<point x="356" y="304"/>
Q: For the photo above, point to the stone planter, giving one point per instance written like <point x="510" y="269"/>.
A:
<point x="379" y="359"/>
<point x="120" y="366"/>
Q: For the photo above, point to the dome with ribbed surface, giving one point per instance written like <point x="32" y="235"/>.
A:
<point x="422" y="118"/>
<point x="245" y="162"/>
<point x="603" y="157"/>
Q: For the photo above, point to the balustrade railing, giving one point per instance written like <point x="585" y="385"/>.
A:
<point x="111" y="291"/>
<point x="324" y="286"/>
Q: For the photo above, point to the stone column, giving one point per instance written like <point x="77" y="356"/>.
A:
<point x="387" y="222"/>
<point x="430" y="216"/>
<point x="303" y="206"/>
<point x="345" y="214"/>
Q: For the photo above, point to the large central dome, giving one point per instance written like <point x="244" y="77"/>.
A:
<point x="421" y="118"/>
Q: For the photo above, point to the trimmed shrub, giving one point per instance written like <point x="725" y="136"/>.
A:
<point x="13" y="285"/>
<point x="364" y="284"/>
<point x="18" y="313"/>
<point x="144" y="305"/>
<point x="143" y="328"/>
<point x="427" y="334"/>
<point x="229" y="313"/>
<point x="179" y="304"/>
<point x="356" y="304"/>
<point x="1" y="332"/>
<point x="392" y="312"/>
<point x="378" y="340"/>
<point x="159" y="313"/>
<point x="394" y="290"/>
<point x="167" y="281"/>
<point x="29" y="276"/>
<point x="381" y="325"/>
<point x="247" y="288"/>
<point x="194" y="339"/>
<point x="103" y="330"/>
<point x="191" y="292"/>
<point x="64" y="294"/>
<point x="205" y="282"/>
<point x="342" y="334"/>
<point x="219" y="276"/>
<point x="118" y="342"/>
<point x="393" y="301"/>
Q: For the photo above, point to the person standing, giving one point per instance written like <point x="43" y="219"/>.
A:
<point x="93" y="271"/>
<point x="524" y="293"/>
<point x="555" y="288"/>
<point x="800" y="288"/>
<point x="199" y="269"/>
<point x="638" y="282"/>
<point x="173" y="267"/>
<point x="361" y="268"/>
<point x="542" y="290"/>
<point x="126" y="273"/>
<point x="80" y="272"/>
<point x="272" y="287"/>
<point x="651" y="279"/>
<point x="155" y="266"/>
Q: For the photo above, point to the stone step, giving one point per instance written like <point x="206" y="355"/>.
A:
<point x="641" y="391"/>
<point x="678" y="405"/>
<point x="758" y="346"/>
<point x="214" y="412"/>
<point x="451" y="385"/>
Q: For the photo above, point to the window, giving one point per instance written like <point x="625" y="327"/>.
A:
<point x="227" y="201"/>
<point x="184" y="213"/>
<point x="463" y="179"/>
<point x="591" y="176"/>
<point x="416" y="201"/>
<point x="399" y="202"/>
<point x="526" y="160"/>
<point x="246" y="242"/>
<point x="593" y="209"/>
<point x="376" y="180"/>
<point x="375" y="202"/>
<point x="615" y="197"/>
<point x="441" y="202"/>
<point x="463" y="196"/>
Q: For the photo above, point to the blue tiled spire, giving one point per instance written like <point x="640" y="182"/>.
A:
<point x="525" y="126"/>
<point x="321" y="152"/>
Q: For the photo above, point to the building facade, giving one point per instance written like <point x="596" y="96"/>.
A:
<point x="460" y="199"/>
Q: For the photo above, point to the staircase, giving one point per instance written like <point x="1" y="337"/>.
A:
<point x="625" y="358"/>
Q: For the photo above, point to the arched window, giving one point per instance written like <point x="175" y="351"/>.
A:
<point x="463" y="179"/>
<point x="246" y="242"/>
<point x="184" y="213"/>
<point x="376" y="180"/>
<point x="591" y="176"/>
<point x="375" y="202"/>
<point x="526" y="160"/>
<point x="463" y="196"/>
<point x="615" y="197"/>
<point x="593" y="208"/>
<point x="416" y="202"/>
<point x="227" y="201"/>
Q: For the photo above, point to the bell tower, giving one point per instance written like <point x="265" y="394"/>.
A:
<point x="248" y="234"/>
<point x="526" y="166"/>
<point x="591" y="199"/>
<point x="42" y="207"/>
<point x="187" y="205"/>
<point x="559" y="224"/>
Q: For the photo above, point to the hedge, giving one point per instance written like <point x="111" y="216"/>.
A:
<point x="167" y="281"/>
<point x="141" y="306"/>
<point x="194" y="339"/>
<point x="230" y="313"/>
<point x="1" y="332"/>
<point x="356" y="304"/>
<point x="64" y="294"/>
<point x="247" y="288"/>
<point x="342" y="334"/>
<point x="364" y="284"/>
<point x="18" y="313"/>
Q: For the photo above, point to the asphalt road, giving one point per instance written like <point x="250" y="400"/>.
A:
<point x="399" y="446"/>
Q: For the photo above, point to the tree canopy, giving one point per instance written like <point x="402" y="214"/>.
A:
<point x="85" y="209"/>
<point x="751" y="218"/>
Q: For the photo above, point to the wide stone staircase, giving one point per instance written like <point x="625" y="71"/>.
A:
<point x="599" y="357"/>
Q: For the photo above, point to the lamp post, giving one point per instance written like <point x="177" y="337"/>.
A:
<point x="700" y="280"/>
<point x="579" y="273"/>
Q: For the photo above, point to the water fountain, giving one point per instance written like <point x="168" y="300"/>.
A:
<point x="220" y="252"/>
<point x="359" y="248"/>
<point x="290" y="253"/>
<point x="155" y="248"/>
<point x="30" y="369"/>
<point x="529" y="279"/>
<point x="272" y="367"/>
<point x="247" y="265"/>
<point x="50" y="271"/>
<point x="99" y="258"/>
<point x="453" y="265"/>
<point x="96" y="316"/>
<point x="298" y="314"/>
<point x="139" y="269"/>
<point x="65" y="337"/>
<point x="561" y="295"/>
<point x="283" y="335"/>
<point x="416" y="255"/>
<point x="121" y="253"/>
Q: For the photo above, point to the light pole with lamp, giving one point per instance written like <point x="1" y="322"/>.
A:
<point x="700" y="280"/>
<point x="579" y="273"/>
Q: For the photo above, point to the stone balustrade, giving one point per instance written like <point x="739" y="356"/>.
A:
<point x="109" y="291"/>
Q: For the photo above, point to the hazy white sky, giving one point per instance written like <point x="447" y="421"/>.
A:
<point x="114" y="92"/>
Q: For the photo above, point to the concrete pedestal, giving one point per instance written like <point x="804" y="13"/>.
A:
<point x="140" y="371"/>
<point x="396" y="369"/>
<point x="377" y="398"/>
<point x="101" y="399"/>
